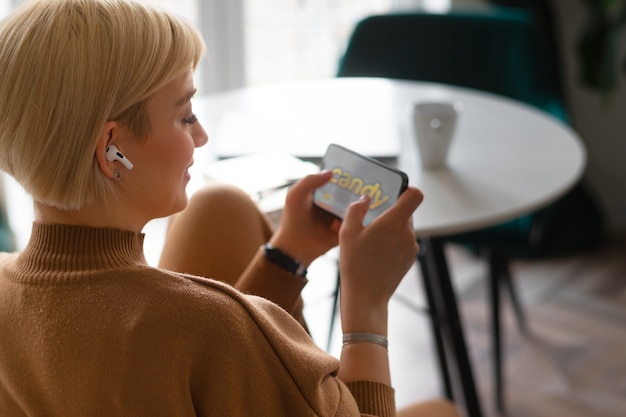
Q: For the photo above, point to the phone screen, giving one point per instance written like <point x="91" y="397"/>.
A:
<point x="355" y="175"/>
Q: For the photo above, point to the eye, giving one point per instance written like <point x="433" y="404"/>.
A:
<point x="191" y="119"/>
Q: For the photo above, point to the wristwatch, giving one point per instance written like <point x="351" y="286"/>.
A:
<point x="286" y="262"/>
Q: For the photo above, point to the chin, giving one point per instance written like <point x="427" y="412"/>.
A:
<point x="173" y="208"/>
<point x="180" y="205"/>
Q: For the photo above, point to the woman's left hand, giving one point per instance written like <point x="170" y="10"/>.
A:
<point x="306" y="232"/>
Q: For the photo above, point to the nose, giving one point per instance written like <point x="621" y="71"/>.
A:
<point x="200" y="137"/>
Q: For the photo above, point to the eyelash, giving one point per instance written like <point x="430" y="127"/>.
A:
<point x="191" y="120"/>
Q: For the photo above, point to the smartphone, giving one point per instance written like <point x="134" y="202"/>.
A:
<point x="355" y="175"/>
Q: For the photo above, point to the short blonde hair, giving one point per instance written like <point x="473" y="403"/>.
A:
<point x="69" y="66"/>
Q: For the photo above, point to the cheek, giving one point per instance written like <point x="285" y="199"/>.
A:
<point x="187" y="149"/>
<point x="178" y="152"/>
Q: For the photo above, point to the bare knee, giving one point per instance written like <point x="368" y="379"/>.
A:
<point x="222" y="198"/>
<point x="216" y="235"/>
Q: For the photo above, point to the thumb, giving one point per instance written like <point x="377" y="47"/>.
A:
<point x="311" y="182"/>
<point x="356" y="213"/>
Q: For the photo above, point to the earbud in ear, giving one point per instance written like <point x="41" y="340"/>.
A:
<point x="112" y="154"/>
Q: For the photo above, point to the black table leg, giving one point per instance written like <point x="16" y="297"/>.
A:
<point x="435" y="321"/>
<point x="449" y="322"/>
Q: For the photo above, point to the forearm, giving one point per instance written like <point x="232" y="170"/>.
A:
<point x="269" y="281"/>
<point x="363" y="360"/>
<point x="366" y="363"/>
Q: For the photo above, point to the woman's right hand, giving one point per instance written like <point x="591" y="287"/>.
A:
<point x="374" y="259"/>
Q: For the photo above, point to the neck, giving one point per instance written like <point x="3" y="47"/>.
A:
<point x="92" y="216"/>
<point x="61" y="248"/>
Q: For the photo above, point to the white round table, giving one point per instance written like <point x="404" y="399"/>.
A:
<point x="506" y="158"/>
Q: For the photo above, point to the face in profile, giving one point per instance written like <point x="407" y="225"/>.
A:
<point x="156" y="186"/>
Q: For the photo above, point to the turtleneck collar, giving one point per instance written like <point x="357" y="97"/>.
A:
<point x="57" y="248"/>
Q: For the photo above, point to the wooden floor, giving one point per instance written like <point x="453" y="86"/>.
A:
<point x="573" y="362"/>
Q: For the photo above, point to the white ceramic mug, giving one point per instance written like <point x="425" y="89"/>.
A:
<point x="434" y="125"/>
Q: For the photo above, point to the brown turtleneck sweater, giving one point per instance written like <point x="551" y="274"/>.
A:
<point x="87" y="328"/>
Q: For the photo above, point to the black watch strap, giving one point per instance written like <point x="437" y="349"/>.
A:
<point x="286" y="262"/>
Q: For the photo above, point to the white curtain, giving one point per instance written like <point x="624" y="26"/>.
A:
<point x="221" y="23"/>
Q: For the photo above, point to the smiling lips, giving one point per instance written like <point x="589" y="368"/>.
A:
<point x="186" y="175"/>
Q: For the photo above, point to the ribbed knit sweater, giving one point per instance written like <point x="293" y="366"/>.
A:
<point x="87" y="328"/>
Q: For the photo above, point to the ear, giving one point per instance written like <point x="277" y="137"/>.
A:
<point x="106" y="138"/>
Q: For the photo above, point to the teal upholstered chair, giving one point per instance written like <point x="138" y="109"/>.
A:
<point x="7" y="241"/>
<point x="7" y="238"/>
<point x="497" y="50"/>
<point x="494" y="50"/>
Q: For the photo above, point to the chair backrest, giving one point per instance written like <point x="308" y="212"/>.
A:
<point x="496" y="49"/>
<point x="7" y="237"/>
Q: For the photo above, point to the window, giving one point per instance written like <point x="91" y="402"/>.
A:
<point x="262" y="41"/>
<point x="291" y="39"/>
<point x="296" y="39"/>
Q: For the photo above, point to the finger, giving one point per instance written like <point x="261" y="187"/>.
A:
<point x="313" y="181"/>
<point x="309" y="183"/>
<point x="407" y="202"/>
<point x="356" y="213"/>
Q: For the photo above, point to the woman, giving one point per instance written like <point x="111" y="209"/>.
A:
<point x="98" y="127"/>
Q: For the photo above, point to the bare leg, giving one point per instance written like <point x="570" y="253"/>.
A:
<point x="431" y="408"/>
<point x="217" y="236"/>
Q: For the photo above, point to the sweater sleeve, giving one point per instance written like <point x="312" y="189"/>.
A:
<point x="262" y="278"/>
<point x="267" y="280"/>
<point x="302" y="359"/>
<point x="269" y="366"/>
<point x="373" y="398"/>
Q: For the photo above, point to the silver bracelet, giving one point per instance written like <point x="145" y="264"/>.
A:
<point x="377" y="339"/>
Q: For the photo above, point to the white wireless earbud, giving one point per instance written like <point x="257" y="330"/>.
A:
<point x="113" y="154"/>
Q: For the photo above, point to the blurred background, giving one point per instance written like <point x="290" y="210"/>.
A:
<point x="253" y="42"/>
<point x="575" y="364"/>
